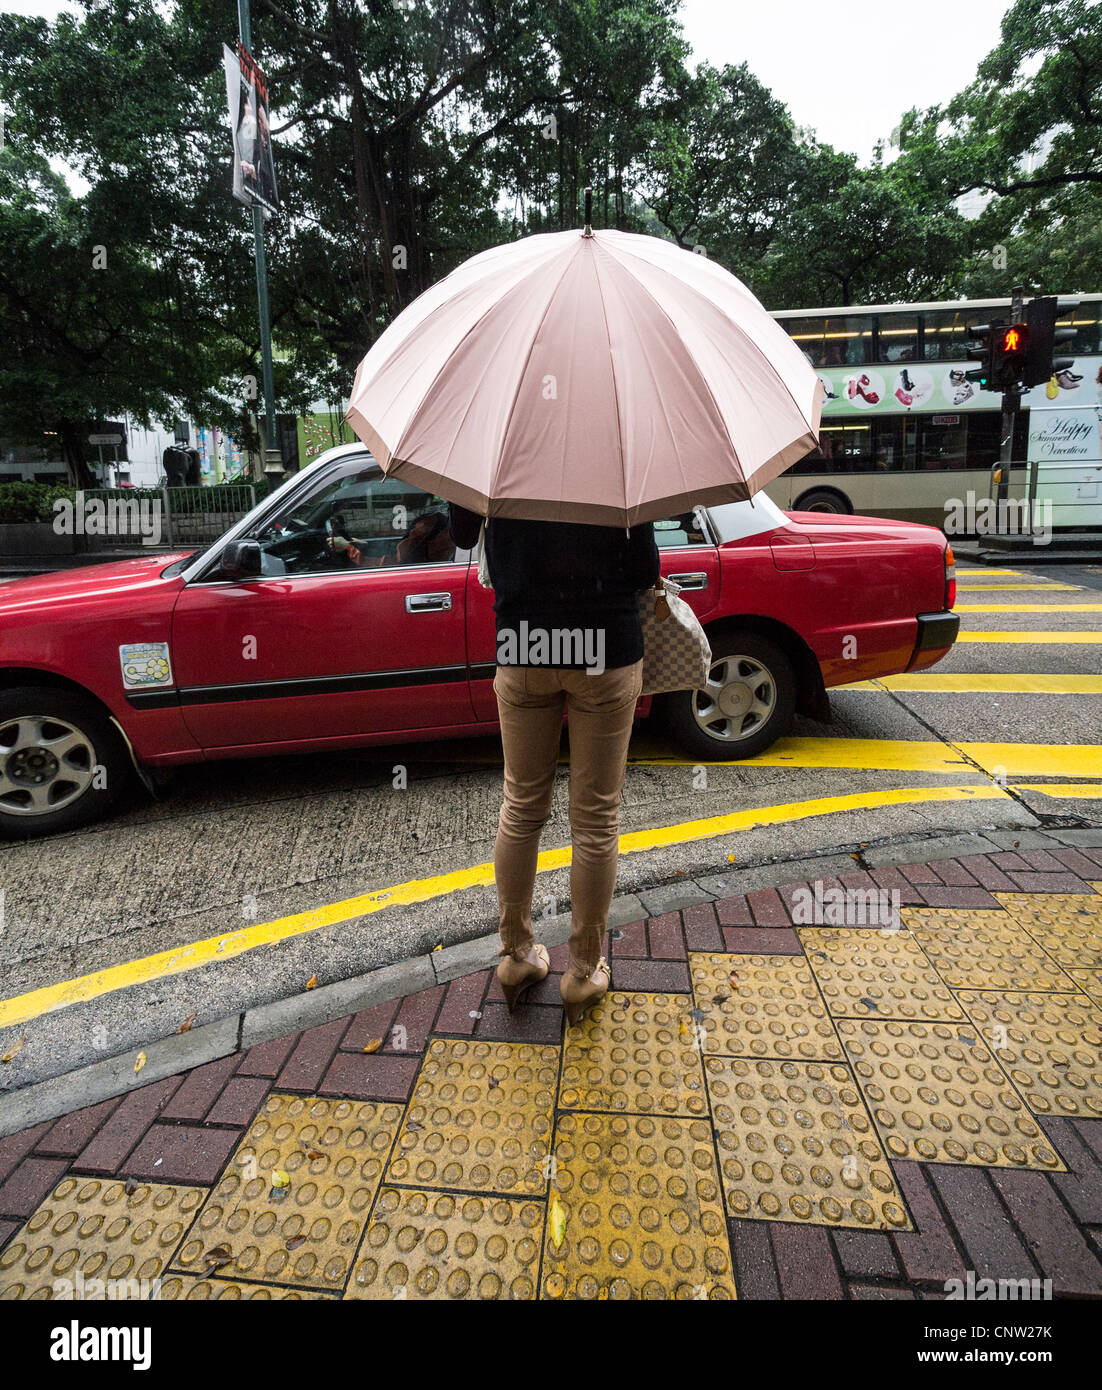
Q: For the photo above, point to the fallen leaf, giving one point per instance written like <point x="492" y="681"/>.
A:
<point x="295" y="1242"/>
<point x="439" y="946"/>
<point x="730" y="859"/>
<point x="281" y="1178"/>
<point x="312" y="982"/>
<point x="558" y="1222"/>
<point x="494" y="1083"/>
<point x="217" y="1256"/>
<point x="732" y="979"/>
<point x="855" y="856"/>
<point x="720" y="998"/>
<point x="130" y="1188"/>
<point x="414" y="1125"/>
<point x="15" y="1049"/>
<point x="374" y="1045"/>
<point x="185" y="1027"/>
<point x="139" y="1062"/>
<point x="278" y="1194"/>
<point x="680" y="873"/>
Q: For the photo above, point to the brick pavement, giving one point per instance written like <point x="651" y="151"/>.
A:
<point x="1019" y="1198"/>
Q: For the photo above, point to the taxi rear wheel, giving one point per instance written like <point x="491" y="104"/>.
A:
<point x="748" y="703"/>
<point x="62" y="762"/>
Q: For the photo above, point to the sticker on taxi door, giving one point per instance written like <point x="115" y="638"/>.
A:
<point x="145" y="664"/>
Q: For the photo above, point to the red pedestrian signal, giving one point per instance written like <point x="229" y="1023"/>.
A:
<point x="1015" y="338"/>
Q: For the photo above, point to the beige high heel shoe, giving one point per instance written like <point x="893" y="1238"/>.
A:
<point x="515" y="976"/>
<point x="579" y="994"/>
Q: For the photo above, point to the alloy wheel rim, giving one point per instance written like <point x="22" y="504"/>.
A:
<point x="739" y="698"/>
<point x="45" y="764"/>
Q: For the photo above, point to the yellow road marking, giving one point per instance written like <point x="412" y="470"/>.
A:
<point x="910" y="755"/>
<point x="976" y="570"/>
<point x="1028" y="608"/>
<point x="1032" y="636"/>
<point x="1087" y="789"/>
<point x="991" y="684"/>
<point x="21" y="1008"/>
<point x="1013" y="588"/>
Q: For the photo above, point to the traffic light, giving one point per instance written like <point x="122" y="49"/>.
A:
<point x="1041" y="316"/>
<point x="1011" y="346"/>
<point x="987" y="336"/>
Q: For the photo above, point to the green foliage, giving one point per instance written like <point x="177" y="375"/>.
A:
<point x="29" y="502"/>
<point x="411" y="135"/>
<point x="1027" y="137"/>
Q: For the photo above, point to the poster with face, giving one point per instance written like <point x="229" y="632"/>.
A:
<point x="253" y="165"/>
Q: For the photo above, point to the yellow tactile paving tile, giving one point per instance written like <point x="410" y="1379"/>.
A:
<point x="796" y="1144"/>
<point x="635" y="1211"/>
<point x="96" y="1238"/>
<point x="479" y="1118"/>
<point x="982" y="948"/>
<point x="181" y="1288"/>
<point x="1050" y="1045"/>
<point x="761" y="1006"/>
<point x="864" y="973"/>
<point x="1067" y="925"/>
<point x="441" y="1245"/>
<point x="304" y="1233"/>
<point x="1089" y="981"/>
<point x="937" y="1094"/>
<point x="634" y="1053"/>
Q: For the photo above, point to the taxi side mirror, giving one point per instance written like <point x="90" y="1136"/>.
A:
<point x="240" y="560"/>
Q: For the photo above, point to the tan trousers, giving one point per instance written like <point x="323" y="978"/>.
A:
<point x="530" y="702"/>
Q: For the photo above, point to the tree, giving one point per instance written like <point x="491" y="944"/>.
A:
<point x="1027" y="135"/>
<point x="862" y="236"/>
<point x="727" y="174"/>
<point x="132" y="297"/>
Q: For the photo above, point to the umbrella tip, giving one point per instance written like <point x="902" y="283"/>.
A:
<point x="588" y="212"/>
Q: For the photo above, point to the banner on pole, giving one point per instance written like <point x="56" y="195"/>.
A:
<point x="253" y="167"/>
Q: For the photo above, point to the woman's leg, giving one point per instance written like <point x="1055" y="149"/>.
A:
<point x="530" y="707"/>
<point x="600" y="710"/>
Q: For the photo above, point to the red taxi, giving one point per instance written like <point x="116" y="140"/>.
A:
<point x="337" y="613"/>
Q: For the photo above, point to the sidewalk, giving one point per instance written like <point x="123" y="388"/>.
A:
<point x="758" y="1109"/>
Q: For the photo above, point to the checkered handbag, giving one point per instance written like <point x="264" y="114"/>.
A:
<point x="676" y="653"/>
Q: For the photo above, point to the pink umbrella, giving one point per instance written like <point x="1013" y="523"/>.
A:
<point x="586" y="376"/>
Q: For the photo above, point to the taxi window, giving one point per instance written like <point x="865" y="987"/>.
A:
<point x="684" y="529"/>
<point x="357" y="519"/>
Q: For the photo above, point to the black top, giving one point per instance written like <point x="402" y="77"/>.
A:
<point x="563" y="577"/>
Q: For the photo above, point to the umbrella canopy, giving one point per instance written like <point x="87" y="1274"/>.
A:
<point x="600" y="377"/>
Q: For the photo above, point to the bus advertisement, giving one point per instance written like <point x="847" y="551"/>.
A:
<point x="906" y="434"/>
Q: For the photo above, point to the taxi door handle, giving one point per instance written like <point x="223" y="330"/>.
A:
<point x="428" y="603"/>
<point x="697" y="580"/>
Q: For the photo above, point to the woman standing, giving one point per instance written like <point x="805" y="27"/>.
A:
<point x="568" y="640"/>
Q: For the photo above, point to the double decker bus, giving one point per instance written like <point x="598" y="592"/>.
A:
<point x="905" y="434"/>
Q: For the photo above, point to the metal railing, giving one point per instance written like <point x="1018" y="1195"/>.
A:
<point x="166" y="516"/>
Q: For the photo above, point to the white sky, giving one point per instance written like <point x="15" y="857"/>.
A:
<point x="847" y="71"/>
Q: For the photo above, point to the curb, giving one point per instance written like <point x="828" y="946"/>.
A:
<point x="166" y="1056"/>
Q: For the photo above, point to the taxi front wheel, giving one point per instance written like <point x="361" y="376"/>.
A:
<point x="748" y="703"/>
<point x="62" y="762"/>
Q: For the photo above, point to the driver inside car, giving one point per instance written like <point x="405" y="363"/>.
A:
<point x="427" y="540"/>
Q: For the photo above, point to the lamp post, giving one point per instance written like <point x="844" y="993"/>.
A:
<point x="272" y="442"/>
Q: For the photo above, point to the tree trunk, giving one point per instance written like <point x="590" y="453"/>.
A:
<point x="73" y="434"/>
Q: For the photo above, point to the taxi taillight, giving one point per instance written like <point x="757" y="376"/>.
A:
<point x="950" y="578"/>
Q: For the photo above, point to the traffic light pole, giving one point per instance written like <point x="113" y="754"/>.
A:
<point x="245" y="29"/>
<point x="1011" y="400"/>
